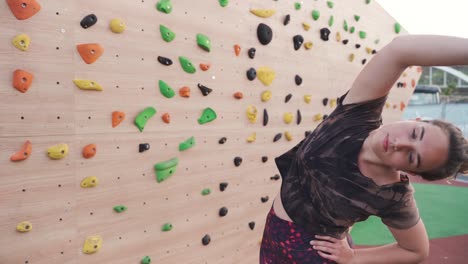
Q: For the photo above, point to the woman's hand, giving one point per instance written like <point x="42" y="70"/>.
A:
<point x="334" y="249"/>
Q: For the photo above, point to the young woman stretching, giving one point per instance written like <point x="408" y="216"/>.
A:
<point x="351" y="167"/>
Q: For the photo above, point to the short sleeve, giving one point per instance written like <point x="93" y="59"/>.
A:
<point x="403" y="214"/>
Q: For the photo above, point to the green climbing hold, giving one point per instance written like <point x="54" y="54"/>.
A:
<point x="351" y="30"/>
<point x="362" y="34"/>
<point x="297" y="5"/>
<point x="397" y="28"/>
<point x="166" y="90"/>
<point x="204" y="42"/>
<point x="146" y="260"/>
<point x="356" y="17"/>
<point x="187" y="65"/>
<point x="330" y="21"/>
<point x="167" y="34"/>
<point x="208" y="115"/>
<point x="164" y="6"/>
<point x="120" y="208"/>
<point x="330" y="4"/>
<point x="143" y="117"/>
<point x="187" y="144"/>
<point x="206" y="191"/>
<point x="167" y="227"/>
<point x="165" y="169"/>
<point x="345" y="26"/>
<point x="223" y="3"/>
<point x="376" y="41"/>
<point x="315" y="14"/>
<point x="368" y="1"/>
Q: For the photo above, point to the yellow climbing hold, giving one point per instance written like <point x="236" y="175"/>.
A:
<point x="288" y="136"/>
<point x="308" y="45"/>
<point x="22" y="42"/>
<point x="338" y="36"/>
<point x="87" y="85"/>
<point x="92" y="244"/>
<point x="369" y="50"/>
<point x="252" y="113"/>
<point x="307" y="98"/>
<point x="24" y="226"/>
<point x="318" y="117"/>
<point x="266" y="96"/>
<point x="252" y="137"/>
<point x="266" y="75"/>
<point x="351" y="57"/>
<point x="306" y="26"/>
<point x="263" y="12"/>
<point x="89" y="182"/>
<point x="387" y="104"/>
<point x="333" y="102"/>
<point x="288" y="117"/>
<point x="59" y="151"/>
<point x="117" y="25"/>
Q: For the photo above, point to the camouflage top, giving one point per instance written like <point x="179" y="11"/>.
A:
<point x="323" y="189"/>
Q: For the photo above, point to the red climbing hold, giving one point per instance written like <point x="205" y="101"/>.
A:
<point x="90" y="52"/>
<point x="22" y="80"/>
<point x="23" y="9"/>
<point x="237" y="49"/>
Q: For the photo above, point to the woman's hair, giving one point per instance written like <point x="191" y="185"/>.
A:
<point x="457" y="161"/>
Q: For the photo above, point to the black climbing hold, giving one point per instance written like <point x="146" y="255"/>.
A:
<point x="252" y="225"/>
<point x="264" y="159"/>
<point x="237" y="161"/>
<point x="206" y="240"/>
<point x="264" y="34"/>
<point x="298" y="40"/>
<point x="374" y="51"/>
<point x="287" y="98"/>
<point x="265" y="117"/>
<point x="400" y="85"/>
<point x="251" y="74"/>
<point x="357" y="46"/>
<point x="307" y="133"/>
<point x="222" y="140"/>
<point x="251" y="53"/>
<point x="299" y="117"/>
<point x="324" y="33"/>
<point x="265" y="199"/>
<point x="325" y="117"/>
<point x="298" y="79"/>
<point x="164" y="61"/>
<point x="143" y="147"/>
<point x="275" y="177"/>
<point x="88" y="21"/>
<point x="286" y="20"/>
<point x="204" y="90"/>
<point x="223" y="186"/>
<point x="223" y="211"/>
<point x="277" y="137"/>
<point x="325" y="101"/>
<point x="363" y="61"/>
<point x="345" y="41"/>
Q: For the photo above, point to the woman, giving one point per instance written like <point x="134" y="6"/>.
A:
<point x="351" y="167"/>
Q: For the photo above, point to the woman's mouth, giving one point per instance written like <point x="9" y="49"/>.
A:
<point x="385" y="143"/>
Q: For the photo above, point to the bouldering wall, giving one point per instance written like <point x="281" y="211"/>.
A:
<point x="150" y="128"/>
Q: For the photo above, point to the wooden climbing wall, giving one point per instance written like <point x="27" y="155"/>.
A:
<point x="47" y="192"/>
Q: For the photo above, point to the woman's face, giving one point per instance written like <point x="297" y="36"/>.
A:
<point x="410" y="146"/>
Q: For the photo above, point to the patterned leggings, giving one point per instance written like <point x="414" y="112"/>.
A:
<point x="285" y="242"/>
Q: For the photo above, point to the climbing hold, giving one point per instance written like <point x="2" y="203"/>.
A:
<point x="345" y="41"/>
<point x="187" y="65"/>
<point x="307" y="98"/>
<point x="299" y="117"/>
<point x="413" y="83"/>
<point x="167" y="34"/>
<point x="324" y="32"/>
<point x="252" y="137"/>
<point x="266" y="75"/>
<point x="265" y="13"/>
<point x="351" y="30"/>
<point x="298" y="79"/>
<point x="164" y="6"/>
<point x="21" y="42"/>
<point x="297" y="5"/>
<point x="318" y="117"/>
<point x="351" y="57"/>
<point x="333" y="102"/>
<point x="251" y="53"/>
<point x="275" y="177"/>
<point x="264" y="34"/>
<point x="143" y="117"/>
<point x="287" y="98"/>
<point x="345" y="25"/>
<point x="120" y="208"/>
<point x="165" y="89"/>
<point x="287" y="19"/>
<point x="184" y="91"/>
<point x="264" y="159"/>
<point x="166" y="227"/>
<point x="117" y="118"/>
<point x="356" y="17"/>
<point x="338" y="36"/>
<point x="188" y="143"/>
<point x="88" y="21"/>
<point x="92" y="244"/>
<point x="223" y="3"/>
<point x="89" y="182"/>
<point x="237" y="161"/>
<point x="89" y="151"/>
<point x="23" y="153"/>
<point x="237" y="49"/>
<point x="143" y="147"/>
<point x="204" y="42"/>
<point x="117" y="26"/>
<point x="315" y="14"/>
<point x="265" y="199"/>
<point x="397" y="28"/>
<point x="362" y="34"/>
<point x="251" y="74"/>
<point x="238" y="95"/>
<point x="266" y="96"/>
<point x="164" y="61"/>
<point x="204" y="66"/>
<point x="252" y="225"/>
<point x="222" y="140"/>
<point x="277" y="137"/>
<point x="204" y="90"/>
<point x="308" y="45"/>
<point x="368" y="1"/>
<point x="252" y="114"/>
<point x="59" y="151"/>
<point x="166" y="118"/>
<point x="330" y="4"/>
<point x="307" y="133"/>
<point x="24" y="226"/>
<point x="402" y="106"/>
<point x="288" y="136"/>
<point x="288" y="117"/>
<point x="325" y="101"/>
<point x="206" y="191"/>
<point x="22" y="80"/>
<point x="298" y="40"/>
<point x="363" y="61"/>
<point x="165" y="169"/>
<point x="208" y="115"/>
<point x="265" y="117"/>
<point x="90" y="52"/>
<point x="145" y="260"/>
<point x="331" y="21"/>
<point x="306" y="26"/>
<point x="325" y="117"/>
<point x="87" y="85"/>
<point x="223" y="186"/>
<point x="23" y="9"/>
<point x="206" y="240"/>
<point x="223" y="211"/>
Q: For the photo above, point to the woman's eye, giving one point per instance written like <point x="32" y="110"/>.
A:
<point x="413" y="135"/>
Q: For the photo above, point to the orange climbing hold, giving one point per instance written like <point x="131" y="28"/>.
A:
<point x="166" y="118"/>
<point x="89" y="151"/>
<point x="237" y="49"/>
<point x="22" y="80"/>
<point x="238" y="95"/>
<point x="204" y="66"/>
<point x="90" y="52"/>
<point x="184" y="91"/>
<point x="117" y="118"/>
<point x="24" y="9"/>
<point x="402" y="106"/>
<point x="413" y="83"/>
<point x="24" y="153"/>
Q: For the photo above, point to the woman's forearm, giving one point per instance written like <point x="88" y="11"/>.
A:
<point x="387" y="254"/>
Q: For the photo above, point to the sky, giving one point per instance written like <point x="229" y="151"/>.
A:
<point x="440" y="17"/>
